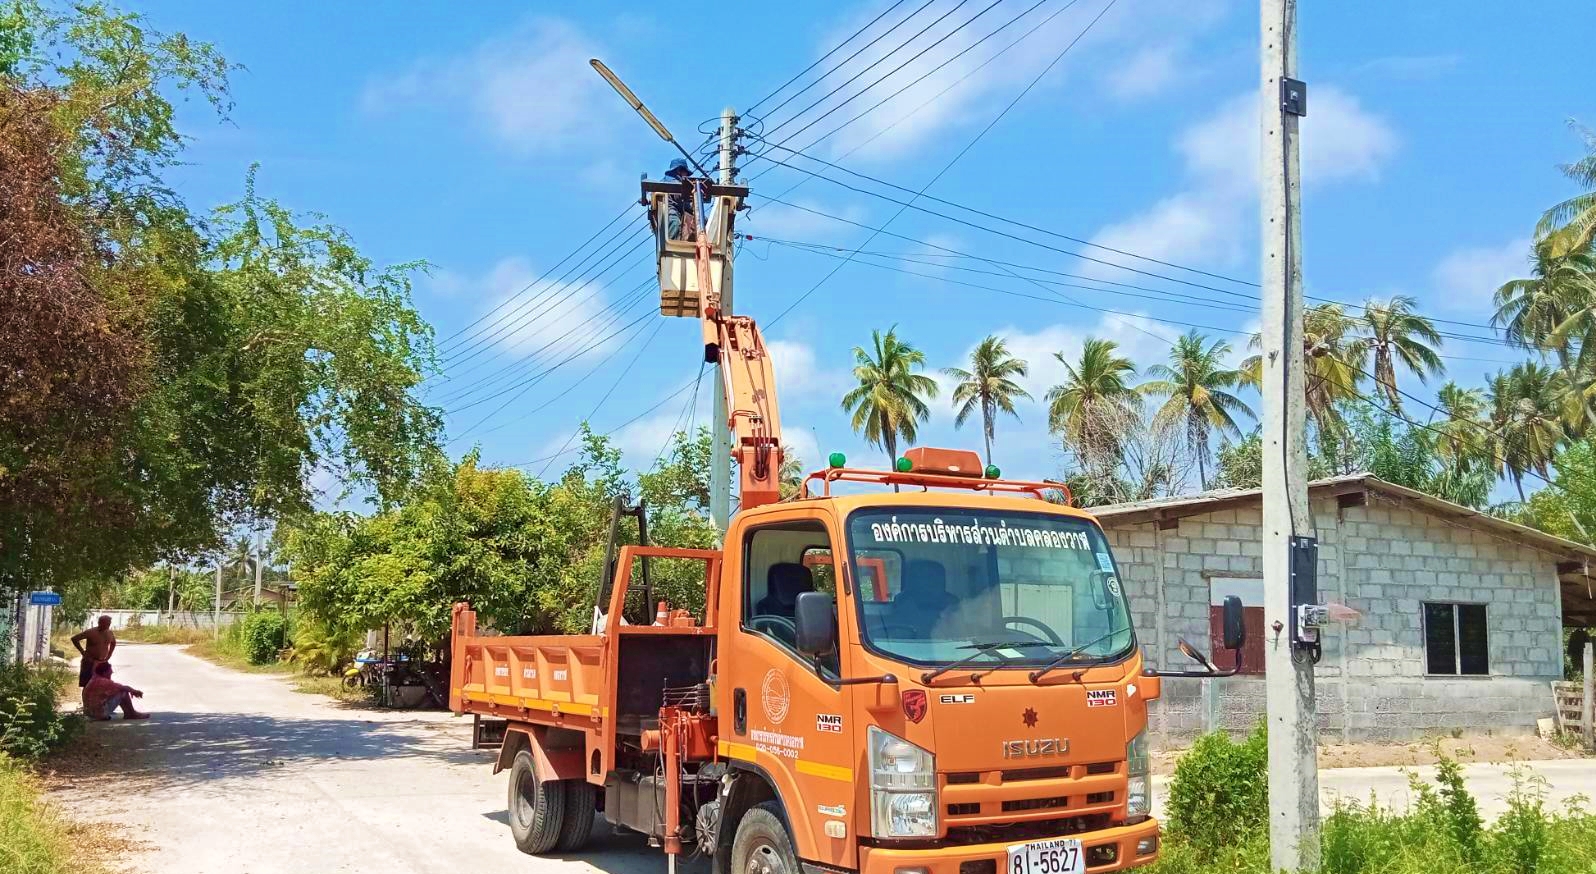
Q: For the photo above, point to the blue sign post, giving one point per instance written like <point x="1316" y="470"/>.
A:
<point x="45" y="599"/>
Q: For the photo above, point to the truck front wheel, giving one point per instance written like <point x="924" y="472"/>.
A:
<point x="537" y="807"/>
<point x="762" y="845"/>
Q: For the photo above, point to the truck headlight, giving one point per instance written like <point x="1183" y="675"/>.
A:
<point x="1139" y="785"/>
<point x="903" y="788"/>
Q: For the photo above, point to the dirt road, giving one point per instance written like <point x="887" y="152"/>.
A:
<point x="239" y="773"/>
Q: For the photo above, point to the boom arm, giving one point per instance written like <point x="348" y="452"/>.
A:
<point x="690" y="273"/>
<point x="749" y="384"/>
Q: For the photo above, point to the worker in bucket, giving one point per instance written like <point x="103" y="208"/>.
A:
<point x="681" y="221"/>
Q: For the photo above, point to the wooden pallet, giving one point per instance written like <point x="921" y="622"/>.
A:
<point x="1568" y="699"/>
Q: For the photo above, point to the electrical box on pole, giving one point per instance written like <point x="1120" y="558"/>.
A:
<point x="1290" y="552"/>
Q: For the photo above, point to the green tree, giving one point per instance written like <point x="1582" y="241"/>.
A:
<point x="1095" y="405"/>
<point x="889" y="402"/>
<point x="988" y="386"/>
<point x="247" y="349"/>
<point x="1198" y="386"/>
<point x="1526" y="419"/>
<point x="1398" y="334"/>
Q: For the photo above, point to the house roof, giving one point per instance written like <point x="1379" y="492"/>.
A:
<point x="1575" y="562"/>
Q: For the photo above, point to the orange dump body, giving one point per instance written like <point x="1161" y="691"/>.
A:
<point x="726" y="709"/>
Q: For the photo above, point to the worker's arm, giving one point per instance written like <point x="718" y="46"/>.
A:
<point x="112" y="647"/>
<point x="77" y="642"/>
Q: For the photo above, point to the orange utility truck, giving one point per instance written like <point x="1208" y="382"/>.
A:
<point x="925" y="670"/>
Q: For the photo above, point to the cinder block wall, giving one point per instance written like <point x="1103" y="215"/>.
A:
<point x="1383" y="560"/>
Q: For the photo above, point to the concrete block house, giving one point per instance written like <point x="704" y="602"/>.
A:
<point x="1460" y="615"/>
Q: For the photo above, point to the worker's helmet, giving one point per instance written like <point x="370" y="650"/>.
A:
<point x="678" y="168"/>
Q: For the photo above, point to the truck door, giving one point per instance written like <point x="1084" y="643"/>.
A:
<point x="787" y="713"/>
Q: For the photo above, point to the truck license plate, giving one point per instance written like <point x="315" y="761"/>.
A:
<point x="1059" y="856"/>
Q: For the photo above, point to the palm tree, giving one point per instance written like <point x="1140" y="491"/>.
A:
<point x="1526" y="419"/>
<point x="1332" y="360"/>
<point x="987" y="386"/>
<point x="1094" y="406"/>
<point x="889" y="402"/>
<point x="1197" y="383"/>
<point x="1547" y="309"/>
<point x="1578" y="213"/>
<point x="1464" y="440"/>
<point x="1398" y="333"/>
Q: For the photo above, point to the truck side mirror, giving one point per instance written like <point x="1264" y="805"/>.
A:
<point x="815" y="618"/>
<point x="1235" y="626"/>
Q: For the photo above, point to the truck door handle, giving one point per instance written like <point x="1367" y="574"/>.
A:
<point x="740" y="711"/>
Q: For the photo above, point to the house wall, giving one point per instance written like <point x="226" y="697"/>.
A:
<point x="1383" y="560"/>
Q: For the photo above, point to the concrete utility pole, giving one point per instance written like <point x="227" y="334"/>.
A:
<point x="216" y="608"/>
<point x="1293" y="732"/>
<point x="720" y="454"/>
<point x="257" y="568"/>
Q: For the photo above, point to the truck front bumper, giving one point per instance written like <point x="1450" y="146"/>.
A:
<point x="1122" y="841"/>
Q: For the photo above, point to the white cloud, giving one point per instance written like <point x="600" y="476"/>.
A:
<point x="1148" y="72"/>
<point x="800" y="442"/>
<point x="1467" y="278"/>
<point x="531" y="88"/>
<point x="1208" y="222"/>
<point x="799" y="375"/>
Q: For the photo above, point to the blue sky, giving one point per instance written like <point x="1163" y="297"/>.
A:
<point x="476" y="137"/>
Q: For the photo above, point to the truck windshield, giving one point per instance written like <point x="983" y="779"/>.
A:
<point x="933" y="582"/>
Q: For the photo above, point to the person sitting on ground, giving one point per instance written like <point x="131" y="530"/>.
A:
<point x="101" y="643"/>
<point x="103" y="696"/>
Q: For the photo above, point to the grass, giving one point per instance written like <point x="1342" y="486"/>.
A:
<point x="34" y="839"/>
<point x="165" y="634"/>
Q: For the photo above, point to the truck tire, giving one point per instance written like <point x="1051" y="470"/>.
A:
<point x="762" y="845"/>
<point x="536" y="806"/>
<point x="581" y="806"/>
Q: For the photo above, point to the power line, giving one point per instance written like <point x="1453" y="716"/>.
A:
<point x="890" y="73"/>
<point x="538" y="321"/>
<point x="962" y="152"/>
<point x="531" y="309"/>
<point x="1062" y="300"/>
<point x="839" y="65"/>
<point x="921" y="78"/>
<point x="606" y="396"/>
<point x="578" y="338"/>
<point x="526" y="385"/>
<point x="506" y="301"/>
<point x="662" y="402"/>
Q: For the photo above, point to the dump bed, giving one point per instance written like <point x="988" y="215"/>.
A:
<point x="608" y="684"/>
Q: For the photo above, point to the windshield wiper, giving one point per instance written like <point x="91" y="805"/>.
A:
<point x="981" y="649"/>
<point x="1041" y="672"/>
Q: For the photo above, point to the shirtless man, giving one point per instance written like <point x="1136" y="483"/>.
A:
<point x="101" y="643"/>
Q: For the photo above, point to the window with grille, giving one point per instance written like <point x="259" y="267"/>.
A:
<point x="1455" y="639"/>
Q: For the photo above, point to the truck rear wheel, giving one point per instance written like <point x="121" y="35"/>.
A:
<point x="762" y="845"/>
<point x="537" y="807"/>
<point x="581" y="806"/>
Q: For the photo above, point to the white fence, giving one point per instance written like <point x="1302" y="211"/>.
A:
<point x="176" y="619"/>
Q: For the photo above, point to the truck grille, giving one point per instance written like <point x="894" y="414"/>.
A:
<point x="1053" y="799"/>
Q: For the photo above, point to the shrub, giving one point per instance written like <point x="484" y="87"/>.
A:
<point x="31" y="724"/>
<point x="319" y="649"/>
<point x="264" y="635"/>
<point x="1220" y="792"/>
